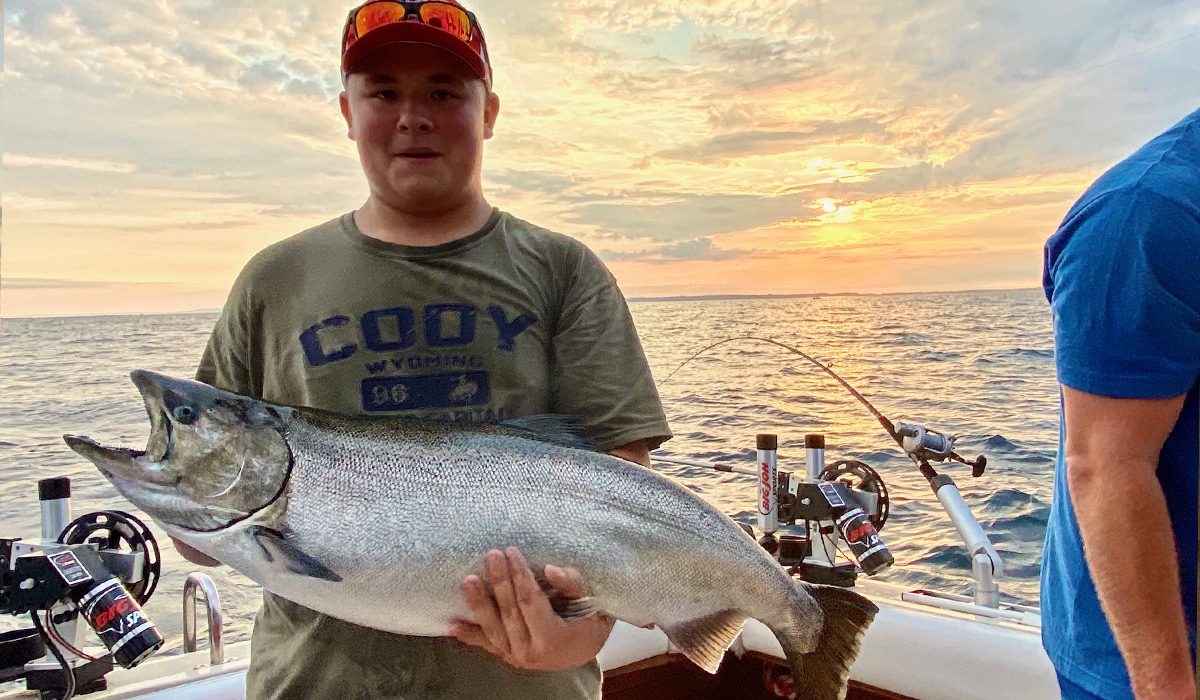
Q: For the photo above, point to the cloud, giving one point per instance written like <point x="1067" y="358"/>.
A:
<point x="202" y="129"/>
<point x="14" y="201"/>
<point x="182" y="194"/>
<point x="17" y="160"/>
<point x="754" y="142"/>
<point x="534" y="181"/>
<point x="671" y="217"/>
<point x="696" y="249"/>
<point x="751" y="63"/>
<point x="43" y="283"/>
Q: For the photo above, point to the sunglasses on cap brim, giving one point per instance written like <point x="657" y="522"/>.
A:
<point x="439" y="15"/>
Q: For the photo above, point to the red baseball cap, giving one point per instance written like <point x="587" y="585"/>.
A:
<point x="442" y="23"/>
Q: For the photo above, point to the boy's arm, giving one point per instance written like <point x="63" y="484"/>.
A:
<point x="637" y="452"/>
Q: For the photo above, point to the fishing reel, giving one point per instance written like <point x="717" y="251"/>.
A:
<point x="845" y="502"/>
<point x="923" y="446"/>
<point x="126" y="546"/>
<point x="101" y="568"/>
<point x="861" y="478"/>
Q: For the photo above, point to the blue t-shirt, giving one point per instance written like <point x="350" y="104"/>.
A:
<point x="1122" y="274"/>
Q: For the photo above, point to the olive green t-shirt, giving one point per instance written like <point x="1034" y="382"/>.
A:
<point x="512" y="320"/>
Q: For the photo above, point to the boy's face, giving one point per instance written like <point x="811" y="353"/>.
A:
<point x="419" y="117"/>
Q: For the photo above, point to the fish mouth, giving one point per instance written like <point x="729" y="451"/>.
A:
<point x="108" y="459"/>
<point x="128" y="464"/>
<point x="150" y="385"/>
<point x="118" y="463"/>
<point x="148" y="488"/>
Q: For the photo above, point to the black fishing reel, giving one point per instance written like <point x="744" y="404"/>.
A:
<point x="115" y="532"/>
<point x="859" y="476"/>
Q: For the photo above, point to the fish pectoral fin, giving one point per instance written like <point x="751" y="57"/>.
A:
<point x="278" y="549"/>
<point x="571" y="609"/>
<point x="704" y="640"/>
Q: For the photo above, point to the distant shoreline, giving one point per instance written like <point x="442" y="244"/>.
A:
<point x="734" y="297"/>
<point x="817" y="295"/>
<point x="116" y="314"/>
<point x="639" y="300"/>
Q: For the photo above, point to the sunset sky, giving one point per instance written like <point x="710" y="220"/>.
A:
<point x="701" y="147"/>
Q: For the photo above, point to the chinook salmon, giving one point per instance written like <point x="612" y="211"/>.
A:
<point x="334" y="512"/>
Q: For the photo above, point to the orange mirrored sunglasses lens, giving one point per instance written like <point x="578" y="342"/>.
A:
<point x="448" y="18"/>
<point x="376" y="15"/>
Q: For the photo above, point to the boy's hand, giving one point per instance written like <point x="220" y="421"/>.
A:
<point x="519" y="626"/>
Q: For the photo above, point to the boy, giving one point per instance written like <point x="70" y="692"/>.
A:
<point x="428" y="302"/>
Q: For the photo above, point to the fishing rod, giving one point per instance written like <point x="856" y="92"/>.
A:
<point x="818" y="499"/>
<point x="921" y="444"/>
<point x="887" y="424"/>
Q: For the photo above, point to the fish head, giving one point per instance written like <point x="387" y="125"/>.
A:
<point x="213" y="457"/>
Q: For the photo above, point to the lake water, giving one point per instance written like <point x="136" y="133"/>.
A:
<point x="978" y="365"/>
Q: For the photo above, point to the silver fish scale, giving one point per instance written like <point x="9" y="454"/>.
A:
<point x="403" y="515"/>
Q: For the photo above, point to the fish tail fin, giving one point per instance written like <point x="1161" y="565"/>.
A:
<point x="823" y="672"/>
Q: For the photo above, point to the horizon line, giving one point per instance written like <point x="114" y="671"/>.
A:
<point x="631" y="300"/>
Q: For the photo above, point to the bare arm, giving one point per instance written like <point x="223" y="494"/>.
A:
<point x="1112" y="451"/>
<point x="635" y="452"/>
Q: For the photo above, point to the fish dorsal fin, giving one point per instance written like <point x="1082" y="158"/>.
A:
<point x="705" y="639"/>
<point x="554" y="428"/>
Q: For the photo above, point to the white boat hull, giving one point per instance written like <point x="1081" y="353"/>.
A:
<point x="911" y="650"/>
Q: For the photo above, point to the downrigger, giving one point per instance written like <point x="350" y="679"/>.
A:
<point x="99" y="568"/>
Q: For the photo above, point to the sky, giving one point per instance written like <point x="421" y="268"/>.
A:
<point x="150" y="147"/>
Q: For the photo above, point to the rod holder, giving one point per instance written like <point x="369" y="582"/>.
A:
<point x="814" y="456"/>
<point x="768" y="479"/>
<point x="54" y="494"/>
<point x="987" y="591"/>
<point x="985" y="560"/>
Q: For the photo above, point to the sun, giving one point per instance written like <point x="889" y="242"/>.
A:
<point x="827" y="205"/>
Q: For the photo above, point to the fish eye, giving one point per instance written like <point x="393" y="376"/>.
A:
<point x="184" y="414"/>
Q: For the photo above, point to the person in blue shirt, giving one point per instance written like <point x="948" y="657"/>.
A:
<point x="1122" y="274"/>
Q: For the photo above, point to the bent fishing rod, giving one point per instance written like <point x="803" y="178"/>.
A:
<point x="921" y="444"/>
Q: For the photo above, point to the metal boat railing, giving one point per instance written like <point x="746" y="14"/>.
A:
<point x="1008" y="612"/>
<point x="212" y="604"/>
